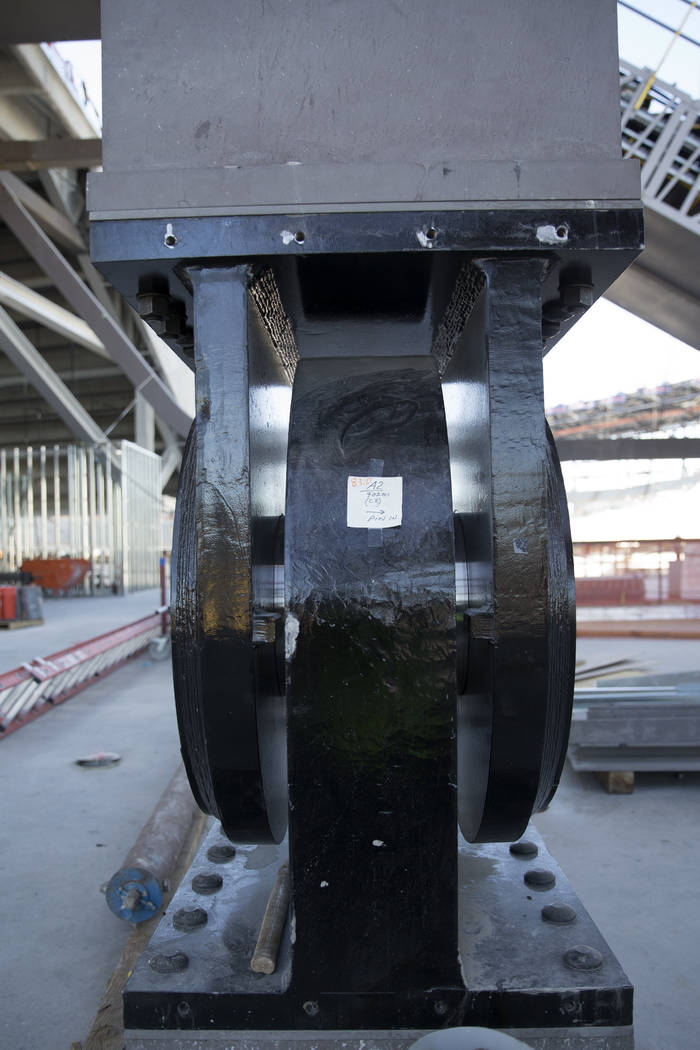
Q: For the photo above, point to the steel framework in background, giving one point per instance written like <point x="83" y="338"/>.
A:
<point x="664" y="134"/>
<point x="102" y="504"/>
<point x="628" y="572"/>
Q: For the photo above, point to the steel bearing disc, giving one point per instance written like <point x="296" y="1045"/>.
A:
<point x="514" y="706"/>
<point x="491" y="694"/>
<point x="227" y="622"/>
<point x="233" y="747"/>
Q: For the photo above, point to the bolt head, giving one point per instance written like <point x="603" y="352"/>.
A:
<point x="561" y="914"/>
<point x="173" y="962"/>
<point x="524" y="848"/>
<point x="583" y="957"/>
<point x="539" y="878"/>
<point x="187" y="919"/>
<point x="221" y="853"/>
<point x="207" y="882"/>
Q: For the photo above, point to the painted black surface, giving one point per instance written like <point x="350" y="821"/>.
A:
<point x="230" y="711"/>
<point x="513" y="961"/>
<point x="498" y="449"/>
<point x="473" y="229"/>
<point x="561" y="629"/>
<point x="371" y="689"/>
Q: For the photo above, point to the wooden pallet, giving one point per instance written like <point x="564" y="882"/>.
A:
<point x="12" y="625"/>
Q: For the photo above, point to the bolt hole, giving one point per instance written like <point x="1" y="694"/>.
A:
<point x="170" y="240"/>
<point x="300" y="236"/>
<point x="440" y="1007"/>
<point x="431" y="233"/>
<point x="311" y="1008"/>
<point x="562" y="231"/>
<point x="183" y="1009"/>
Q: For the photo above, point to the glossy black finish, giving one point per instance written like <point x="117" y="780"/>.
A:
<point x="599" y="244"/>
<point x="474" y="229"/>
<point x="494" y="398"/>
<point x="371" y="673"/>
<point x="561" y="629"/>
<point x="230" y="711"/>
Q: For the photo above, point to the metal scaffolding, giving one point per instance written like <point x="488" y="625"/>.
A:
<point x="97" y="503"/>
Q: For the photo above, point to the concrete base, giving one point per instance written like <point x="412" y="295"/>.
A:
<point x="395" y="1039"/>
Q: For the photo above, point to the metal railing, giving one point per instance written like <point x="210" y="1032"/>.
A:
<point x="664" y="134"/>
<point x="34" y="688"/>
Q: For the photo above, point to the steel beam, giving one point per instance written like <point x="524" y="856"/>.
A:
<point x="30" y="234"/>
<point x="628" y="448"/>
<point x="29" y="361"/>
<point x="30" y="304"/>
<point x="58" y="227"/>
<point x="37" y="20"/>
<point x="50" y="153"/>
<point x="76" y="375"/>
<point x="58" y="94"/>
<point x="144" y="423"/>
<point x="170" y="462"/>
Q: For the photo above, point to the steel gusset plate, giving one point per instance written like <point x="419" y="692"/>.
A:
<point x="226" y="625"/>
<point x="514" y="711"/>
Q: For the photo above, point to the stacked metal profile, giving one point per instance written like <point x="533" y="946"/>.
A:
<point x="646" y="724"/>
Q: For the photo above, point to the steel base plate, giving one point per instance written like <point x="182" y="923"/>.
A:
<point x="522" y="971"/>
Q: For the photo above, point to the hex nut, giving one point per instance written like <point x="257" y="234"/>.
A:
<point x="577" y="295"/>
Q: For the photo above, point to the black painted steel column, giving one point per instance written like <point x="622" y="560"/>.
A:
<point x="371" y="695"/>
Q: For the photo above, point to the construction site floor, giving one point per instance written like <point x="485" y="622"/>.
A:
<point x="633" y="859"/>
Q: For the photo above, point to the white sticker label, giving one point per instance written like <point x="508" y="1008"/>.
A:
<point x="374" y="503"/>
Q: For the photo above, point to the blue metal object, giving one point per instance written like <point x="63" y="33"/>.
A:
<point x="134" y="894"/>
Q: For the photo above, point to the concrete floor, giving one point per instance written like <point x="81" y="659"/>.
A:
<point x="64" y="831"/>
<point x="634" y="860"/>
